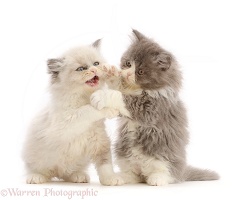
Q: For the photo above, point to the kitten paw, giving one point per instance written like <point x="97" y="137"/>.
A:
<point x="112" y="180"/>
<point x="36" y="179"/>
<point x="158" y="180"/>
<point x="111" y="71"/>
<point x="110" y="113"/>
<point x="79" y="178"/>
<point x="97" y="99"/>
<point x="130" y="177"/>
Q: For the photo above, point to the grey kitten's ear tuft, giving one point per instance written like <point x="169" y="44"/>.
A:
<point x="138" y="35"/>
<point x="54" y="65"/>
<point x="97" y="43"/>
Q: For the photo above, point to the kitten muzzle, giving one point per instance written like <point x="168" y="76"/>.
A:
<point x="93" y="82"/>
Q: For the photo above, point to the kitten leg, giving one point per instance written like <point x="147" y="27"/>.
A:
<point x="107" y="176"/>
<point x="158" y="179"/>
<point x="156" y="172"/>
<point x="103" y="162"/>
<point x="128" y="173"/>
<point x="130" y="177"/>
<point x="79" y="174"/>
<point x="36" y="179"/>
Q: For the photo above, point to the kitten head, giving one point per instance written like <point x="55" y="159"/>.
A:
<point x="148" y="66"/>
<point x="77" y="67"/>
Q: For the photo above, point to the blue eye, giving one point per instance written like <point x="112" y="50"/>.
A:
<point x="96" y="63"/>
<point x="81" y="68"/>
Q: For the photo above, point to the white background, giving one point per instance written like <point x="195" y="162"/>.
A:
<point x="203" y="35"/>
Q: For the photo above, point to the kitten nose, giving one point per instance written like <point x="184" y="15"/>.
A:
<point x="94" y="70"/>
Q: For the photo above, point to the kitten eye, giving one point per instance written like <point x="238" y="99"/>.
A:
<point x="96" y="63"/>
<point x="127" y="63"/>
<point x="140" y="72"/>
<point x="81" y="68"/>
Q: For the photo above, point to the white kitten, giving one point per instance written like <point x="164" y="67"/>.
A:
<point x="69" y="133"/>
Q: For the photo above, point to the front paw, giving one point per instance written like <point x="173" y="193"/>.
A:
<point x="112" y="180"/>
<point x="36" y="179"/>
<point x="79" y="178"/>
<point x="111" y="71"/>
<point x="110" y="112"/>
<point x="158" y="179"/>
<point x="97" y="99"/>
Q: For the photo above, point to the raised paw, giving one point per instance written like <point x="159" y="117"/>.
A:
<point x="111" y="71"/>
<point x="36" y="179"/>
<point x="79" y="178"/>
<point x="113" y="180"/>
<point x="97" y="99"/>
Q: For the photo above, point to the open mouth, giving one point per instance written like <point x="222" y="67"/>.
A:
<point x="93" y="82"/>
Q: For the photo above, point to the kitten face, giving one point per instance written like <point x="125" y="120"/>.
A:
<point x="77" y="67"/>
<point x="147" y="65"/>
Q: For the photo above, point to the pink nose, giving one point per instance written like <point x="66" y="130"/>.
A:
<point x="93" y="70"/>
<point x="128" y="74"/>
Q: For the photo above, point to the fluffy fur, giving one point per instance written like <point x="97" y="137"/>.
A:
<point x="153" y="128"/>
<point x="69" y="133"/>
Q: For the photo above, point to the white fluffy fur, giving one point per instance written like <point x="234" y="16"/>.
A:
<point x="69" y="133"/>
<point x="109" y="98"/>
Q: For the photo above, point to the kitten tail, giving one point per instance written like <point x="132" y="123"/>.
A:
<point x="195" y="174"/>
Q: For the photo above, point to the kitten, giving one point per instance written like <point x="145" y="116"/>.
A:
<point x="153" y="128"/>
<point x="69" y="133"/>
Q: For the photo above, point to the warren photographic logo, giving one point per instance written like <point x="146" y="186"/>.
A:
<point x="49" y="192"/>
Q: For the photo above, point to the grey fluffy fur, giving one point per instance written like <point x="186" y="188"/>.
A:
<point x="161" y="121"/>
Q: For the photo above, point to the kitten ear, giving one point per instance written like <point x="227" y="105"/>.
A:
<point x="55" y="64"/>
<point x="138" y="35"/>
<point x="97" y="43"/>
<point x="54" y="68"/>
<point x="164" y="60"/>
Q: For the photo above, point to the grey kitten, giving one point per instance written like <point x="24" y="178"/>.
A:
<point x="153" y="130"/>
